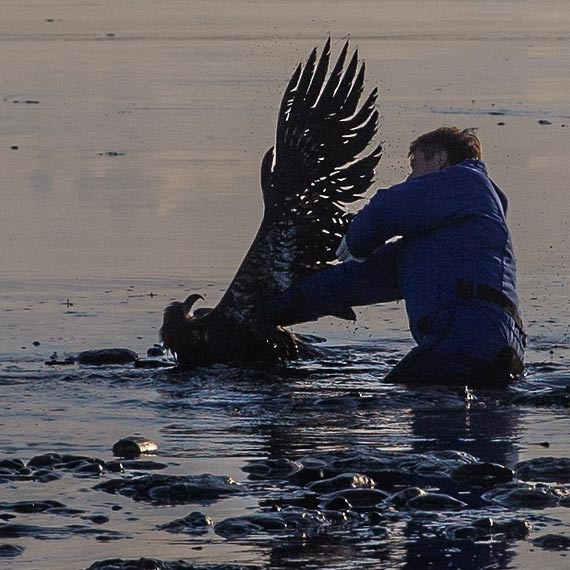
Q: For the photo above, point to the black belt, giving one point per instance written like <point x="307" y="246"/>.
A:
<point x="467" y="290"/>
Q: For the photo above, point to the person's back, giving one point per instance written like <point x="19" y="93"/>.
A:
<point x="453" y="264"/>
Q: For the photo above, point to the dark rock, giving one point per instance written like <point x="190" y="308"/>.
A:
<point x="307" y="475"/>
<point x="552" y="396"/>
<point x="79" y="464"/>
<point x="98" y="519"/>
<point x="91" y="469"/>
<point x="359" y="498"/>
<point x="482" y="474"/>
<point x="553" y="542"/>
<point x="544" y="122"/>
<point x="487" y="527"/>
<point x="46" y="476"/>
<point x="156" y="350"/>
<point x="173" y="489"/>
<point x="272" y="469"/>
<point x="11" y="550"/>
<point x="65" y="511"/>
<point x="115" y="466"/>
<point x="344" y="481"/>
<point x="12" y="464"/>
<point x="242" y="526"/>
<point x="337" y="504"/>
<point x="388" y="478"/>
<point x="107" y="356"/>
<point x="521" y="498"/>
<point x="400" y="500"/>
<point x="435" y="502"/>
<point x="30" y="506"/>
<point x="194" y="523"/>
<point x="133" y="446"/>
<point x="547" y="469"/>
<point x="55" y="362"/>
<point x="45" y="460"/>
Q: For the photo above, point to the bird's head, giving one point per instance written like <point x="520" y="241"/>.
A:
<point x="177" y="324"/>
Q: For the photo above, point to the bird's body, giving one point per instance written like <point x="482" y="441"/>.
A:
<point x="313" y="170"/>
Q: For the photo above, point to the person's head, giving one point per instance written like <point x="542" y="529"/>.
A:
<point x="441" y="148"/>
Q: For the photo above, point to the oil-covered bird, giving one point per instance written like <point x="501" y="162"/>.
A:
<point x="318" y="165"/>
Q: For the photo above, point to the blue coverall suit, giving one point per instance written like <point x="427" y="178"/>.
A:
<point x="453" y="265"/>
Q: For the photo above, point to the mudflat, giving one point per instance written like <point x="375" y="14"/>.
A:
<point x="130" y="141"/>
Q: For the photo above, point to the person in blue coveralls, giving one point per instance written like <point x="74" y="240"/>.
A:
<point x="440" y="241"/>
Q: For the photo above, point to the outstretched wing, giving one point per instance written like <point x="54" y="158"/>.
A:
<point x="316" y="167"/>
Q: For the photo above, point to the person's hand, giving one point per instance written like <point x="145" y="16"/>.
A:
<point x="343" y="253"/>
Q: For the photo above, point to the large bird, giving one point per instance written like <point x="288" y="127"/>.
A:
<point x="317" y="166"/>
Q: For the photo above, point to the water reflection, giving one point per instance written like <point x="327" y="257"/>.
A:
<point x="331" y="405"/>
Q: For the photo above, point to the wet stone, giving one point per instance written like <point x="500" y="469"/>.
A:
<point x="194" y="523"/>
<point x="337" y="504"/>
<point x="68" y="462"/>
<point x="155" y="564"/>
<point x="11" y="464"/>
<point x="133" y="446"/>
<point x="242" y="526"/>
<point x="547" y="469"/>
<point x="482" y="474"/>
<point x="521" y="498"/>
<point x="555" y="396"/>
<point x="173" y="489"/>
<point x="56" y="362"/>
<point x="358" y="498"/>
<point x="156" y="350"/>
<point x="553" y="542"/>
<point x="46" y="460"/>
<point x="315" y="522"/>
<point x="307" y="475"/>
<point x="435" y="502"/>
<point x="400" y="500"/>
<point x="389" y="478"/>
<point x="65" y="511"/>
<point x="11" y="550"/>
<point x="31" y="506"/>
<point x="340" y="482"/>
<point x="487" y="527"/>
<point x="14" y="530"/>
<point x="46" y="476"/>
<point x="107" y="356"/>
<point x="272" y="469"/>
<point x="98" y="519"/>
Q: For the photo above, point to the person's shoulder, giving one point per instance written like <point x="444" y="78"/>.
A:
<point x="471" y="167"/>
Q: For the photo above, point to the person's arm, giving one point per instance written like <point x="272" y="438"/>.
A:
<point x="415" y="206"/>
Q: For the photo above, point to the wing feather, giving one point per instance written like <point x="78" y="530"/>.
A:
<point x="314" y="170"/>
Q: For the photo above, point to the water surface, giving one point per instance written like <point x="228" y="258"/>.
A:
<point x="130" y="141"/>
